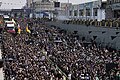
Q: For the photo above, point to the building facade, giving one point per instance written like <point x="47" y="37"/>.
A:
<point x="12" y="4"/>
<point x="113" y="9"/>
<point x="53" y="8"/>
<point x="45" y="7"/>
<point x="63" y="12"/>
<point x="90" y="10"/>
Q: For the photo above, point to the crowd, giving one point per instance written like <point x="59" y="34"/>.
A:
<point x="27" y="55"/>
<point x="24" y="58"/>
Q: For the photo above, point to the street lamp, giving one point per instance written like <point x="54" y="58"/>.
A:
<point x="68" y="1"/>
<point x="85" y="13"/>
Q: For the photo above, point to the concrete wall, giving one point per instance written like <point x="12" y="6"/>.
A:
<point x="104" y="38"/>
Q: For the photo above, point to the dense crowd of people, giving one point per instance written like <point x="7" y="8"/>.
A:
<point x="27" y="56"/>
<point x="24" y="58"/>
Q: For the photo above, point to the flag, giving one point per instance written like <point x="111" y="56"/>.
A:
<point x="117" y="33"/>
<point x="90" y="32"/>
<point x="94" y="37"/>
<point x="113" y="37"/>
<point x="19" y="30"/>
<point x="27" y="30"/>
<point x="13" y="21"/>
<point x="103" y="32"/>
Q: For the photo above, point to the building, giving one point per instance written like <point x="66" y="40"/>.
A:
<point x="30" y="2"/>
<point x="7" y="5"/>
<point x="113" y="9"/>
<point x="63" y="12"/>
<point x="44" y="8"/>
<point x="90" y="10"/>
<point x="12" y="4"/>
<point x="53" y="8"/>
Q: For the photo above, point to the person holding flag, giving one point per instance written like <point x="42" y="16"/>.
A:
<point x="19" y="29"/>
<point x="27" y="29"/>
<point x="13" y="21"/>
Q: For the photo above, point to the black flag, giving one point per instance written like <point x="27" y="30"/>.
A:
<point x="94" y="37"/>
<point x="90" y="32"/>
<point x="117" y="33"/>
<point x="103" y="32"/>
<point x="113" y="37"/>
<point x="75" y="32"/>
<point x="83" y="38"/>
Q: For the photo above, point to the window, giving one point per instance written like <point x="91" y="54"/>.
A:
<point x="116" y="1"/>
<point x="75" y="13"/>
<point x="95" y="11"/>
<point x="70" y="13"/>
<point x="87" y="12"/>
<point x="81" y="12"/>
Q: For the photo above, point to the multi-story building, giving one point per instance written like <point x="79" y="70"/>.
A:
<point x="90" y="10"/>
<point x="113" y="9"/>
<point x="31" y="2"/>
<point x="12" y="4"/>
<point x="44" y="7"/>
<point x="63" y="12"/>
<point x="7" y="5"/>
<point x="52" y="7"/>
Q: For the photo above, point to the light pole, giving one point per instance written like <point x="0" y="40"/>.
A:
<point x="68" y="1"/>
<point x="99" y="10"/>
<point x="85" y="12"/>
<point x="33" y="6"/>
<point x="68" y="8"/>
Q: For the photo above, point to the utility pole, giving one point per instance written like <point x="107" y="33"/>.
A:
<point x="99" y="10"/>
<point x="33" y="8"/>
<point x="68" y="8"/>
<point x="68" y="1"/>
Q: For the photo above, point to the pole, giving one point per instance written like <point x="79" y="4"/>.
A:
<point x="32" y="9"/>
<point x="68" y="1"/>
<point x="68" y="7"/>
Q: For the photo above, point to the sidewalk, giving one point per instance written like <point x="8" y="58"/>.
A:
<point x="1" y="69"/>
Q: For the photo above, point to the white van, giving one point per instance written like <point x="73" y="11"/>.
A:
<point x="10" y="26"/>
<point x="6" y="18"/>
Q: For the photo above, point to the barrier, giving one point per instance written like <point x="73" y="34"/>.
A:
<point x="105" y="23"/>
<point x="56" y="67"/>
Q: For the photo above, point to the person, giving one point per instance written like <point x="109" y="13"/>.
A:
<point x="35" y="57"/>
